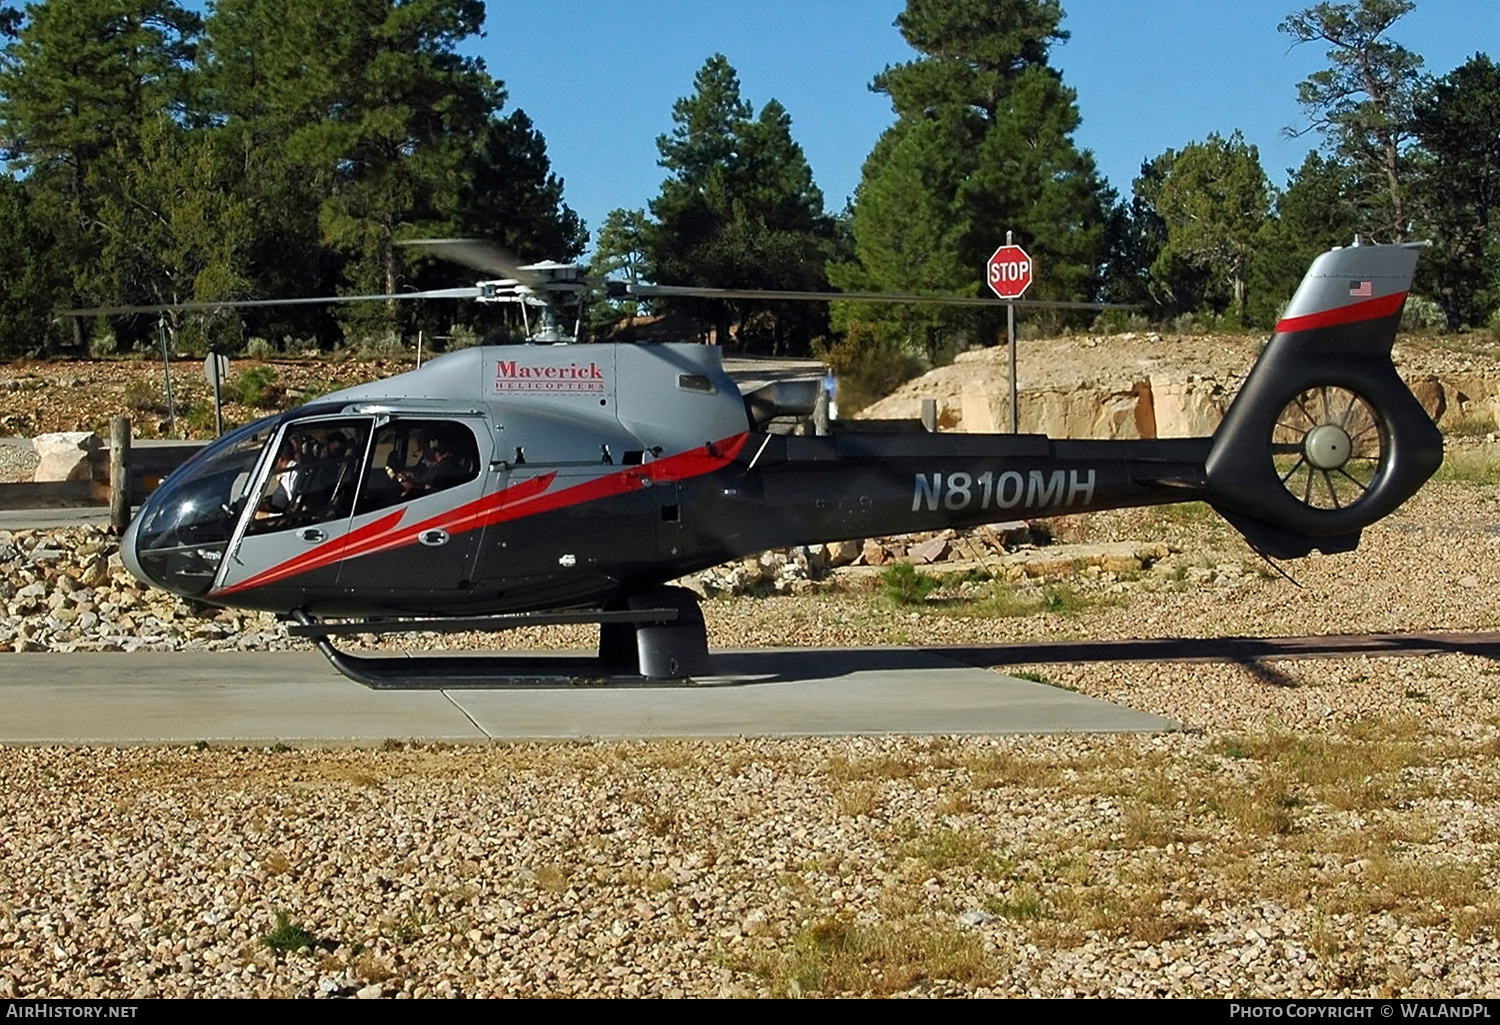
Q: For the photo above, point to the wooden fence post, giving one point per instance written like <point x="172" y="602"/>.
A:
<point x="119" y="473"/>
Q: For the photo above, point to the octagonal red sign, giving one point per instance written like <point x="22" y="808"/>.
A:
<point x="1009" y="272"/>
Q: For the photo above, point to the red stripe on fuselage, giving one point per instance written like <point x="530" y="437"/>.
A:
<point x="1370" y="309"/>
<point x="524" y="499"/>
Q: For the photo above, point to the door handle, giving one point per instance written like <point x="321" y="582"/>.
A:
<point x="312" y="535"/>
<point x="433" y="538"/>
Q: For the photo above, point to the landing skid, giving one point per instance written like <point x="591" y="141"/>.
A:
<point x="657" y="636"/>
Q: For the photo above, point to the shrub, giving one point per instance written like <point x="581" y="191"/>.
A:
<point x="255" y="387"/>
<point x="462" y="336"/>
<point x="103" y="345"/>
<point x="869" y="365"/>
<point x="904" y="584"/>
<point x="293" y="346"/>
<point x="259" y="348"/>
<point x="386" y="346"/>
<point x="1422" y="314"/>
<point x="145" y="396"/>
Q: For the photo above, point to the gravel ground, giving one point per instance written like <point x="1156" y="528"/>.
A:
<point x="1322" y="828"/>
<point x="18" y="460"/>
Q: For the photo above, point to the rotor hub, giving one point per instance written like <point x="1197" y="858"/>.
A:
<point x="1328" y="447"/>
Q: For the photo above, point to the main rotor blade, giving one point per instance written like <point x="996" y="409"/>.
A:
<point x="479" y="255"/>
<point x="689" y="291"/>
<point x="470" y="292"/>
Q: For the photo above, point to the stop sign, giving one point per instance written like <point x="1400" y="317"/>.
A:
<point x="1009" y="272"/>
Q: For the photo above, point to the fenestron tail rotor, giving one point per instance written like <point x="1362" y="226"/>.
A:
<point x="1329" y="447"/>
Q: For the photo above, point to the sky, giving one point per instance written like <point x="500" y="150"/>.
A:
<point x="599" y="77"/>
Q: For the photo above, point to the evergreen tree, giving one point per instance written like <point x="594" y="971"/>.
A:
<point x="740" y="210"/>
<point x="1214" y="201"/>
<point x="1457" y="122"/>
<point x="177" y="229"/>
<point x="619" y="254"/>
<point x="266" y="77"/>
<point x="982" y="144"/>
<point x="377" y="129"/>
<point x="1144" y="266"/>
<point x="32" y="275"/>
<point x="1324" y="205"/>
<point x="79" y="85"/>
<point x="1362" y="102"/>
<point x="511" y="196"/>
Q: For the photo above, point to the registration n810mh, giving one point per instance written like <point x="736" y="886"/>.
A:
<point x="1006" y="489"/>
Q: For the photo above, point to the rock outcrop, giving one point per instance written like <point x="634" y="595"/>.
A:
<point x="1152" y="386"/>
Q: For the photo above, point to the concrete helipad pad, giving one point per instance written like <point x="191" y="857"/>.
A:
<point x="298" y="697"/>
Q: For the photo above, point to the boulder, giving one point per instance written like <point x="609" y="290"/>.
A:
<point x="65" y="455"/>
<point x="928" y="551"/>
<point x="874" y="553"/>
<point x="841" y="553"/>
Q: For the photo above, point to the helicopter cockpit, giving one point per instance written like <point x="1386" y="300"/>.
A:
<point x="288" y="482"/>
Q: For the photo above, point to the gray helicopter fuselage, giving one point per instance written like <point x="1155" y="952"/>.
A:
<point x="586" y="472"/>
<point x="529" y="477"/>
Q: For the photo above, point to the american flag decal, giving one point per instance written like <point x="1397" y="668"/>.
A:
<point x="1360" y="288"/>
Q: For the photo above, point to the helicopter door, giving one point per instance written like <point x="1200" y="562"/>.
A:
<point x="413" y="531"/>
<point x="303" y="501"/>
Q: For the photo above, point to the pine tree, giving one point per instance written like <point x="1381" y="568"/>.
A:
<point x="740" y="209"/>
<point x="1214" y="201"/>
<point x="1362" y="102"/>
<point x="982" y="144"/>
<point x="1324" y="205"/>
<point x="1457" y="191"/>
<point x="32" y="275"/>
<point x="80" y="85"/>
<point x="372" y="128"/>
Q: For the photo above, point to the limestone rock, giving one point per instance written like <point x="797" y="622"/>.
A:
<point x="841" y="553"/>
<point x="928" y="551"/>
<point x="65" y="455"/>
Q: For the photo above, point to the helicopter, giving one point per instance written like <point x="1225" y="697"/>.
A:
<point x="562" y="482"/>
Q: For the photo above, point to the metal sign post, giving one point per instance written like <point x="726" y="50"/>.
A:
<point x="1010" y="272"/>
<point x="216" y="369"/>
<point x="1010" y="334"/>
<point x="166" y="369"/>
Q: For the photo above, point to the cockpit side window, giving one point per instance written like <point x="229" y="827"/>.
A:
<point x="314" y="475"/>
<point x="414" y="458"/>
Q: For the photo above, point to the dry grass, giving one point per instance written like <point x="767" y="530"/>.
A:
<point x="858" y="800"/>
<point x="996" y="769"/>
<point x="551" y="878"/>
<point x="882" y="767"/>
<point x="965" y="850"/>
<point x="838" y="955"/>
